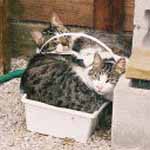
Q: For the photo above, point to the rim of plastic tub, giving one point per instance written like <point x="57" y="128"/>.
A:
<point x="100" y="43"/>
<point x="79" y="113"/>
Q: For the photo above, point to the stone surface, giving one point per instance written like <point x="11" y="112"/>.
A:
<point x="131" y="119"/>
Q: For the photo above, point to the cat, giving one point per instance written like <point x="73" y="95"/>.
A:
<point x="65" y="44"/>
<point x="61" y="44"/>
<point x="88" y="56"/>
<point x="64" y="81"/>
<point x="102" y="75"/>
<point x="82" y="80"/>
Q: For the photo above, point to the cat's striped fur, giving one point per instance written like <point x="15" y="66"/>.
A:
<point x="51" y="79"/>
<point x="82" y="82"/>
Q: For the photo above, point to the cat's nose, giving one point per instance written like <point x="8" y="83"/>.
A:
<point x="99" y="87"/>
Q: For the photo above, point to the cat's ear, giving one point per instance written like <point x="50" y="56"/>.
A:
<point x="38" y="38"/>
<point x="56" y="22"/>
<point x="98" y="61"/>
<point x="120" y="65"/>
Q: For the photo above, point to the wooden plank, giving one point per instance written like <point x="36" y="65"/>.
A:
<point x="139" y="65"/>
<point x="114" y="15"/>
<point x="73" y="12"/>
<point x="1" y="48"/>
<point x="4" y="59"/>
<point x="129" y="15"/>
<point x="103" y="15"/>
<point x="118" y="15"/>
<point x="76" y="12"/>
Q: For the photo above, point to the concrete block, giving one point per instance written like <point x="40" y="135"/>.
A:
<point x="142" y="24"/>
<point x="139" y="65"/>
<point x="131" y="117"/>
<point x="141" y="7"/>
<point x="139" y="38"/>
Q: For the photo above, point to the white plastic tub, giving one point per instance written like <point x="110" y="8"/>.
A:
<point x="60" y="122"/>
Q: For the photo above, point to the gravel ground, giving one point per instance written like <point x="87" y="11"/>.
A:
<point x="13" y="133"/>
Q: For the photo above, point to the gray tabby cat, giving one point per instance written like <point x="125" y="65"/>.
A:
<point x="64" y="81"/>
<point x="62" y="44"/>
<point x="81" y="83"/>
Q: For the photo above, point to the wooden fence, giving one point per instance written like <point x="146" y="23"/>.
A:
<point x="24" y="16"/>
<point x="4" y="58"/>
<point x="102" y="14"/>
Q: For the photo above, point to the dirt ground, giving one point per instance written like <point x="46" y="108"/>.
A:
<point x="13" y="132"/>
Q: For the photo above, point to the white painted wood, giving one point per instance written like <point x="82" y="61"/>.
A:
<point x="142" y="25"/>
<point x="138" y="66"/>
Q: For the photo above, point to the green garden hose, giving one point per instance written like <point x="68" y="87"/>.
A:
<point x="13" y="74"/>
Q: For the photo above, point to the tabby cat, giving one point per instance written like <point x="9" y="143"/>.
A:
<point x="82" y="83"/>
<point x="61" y="44"/>
<point x="64" y="81"/>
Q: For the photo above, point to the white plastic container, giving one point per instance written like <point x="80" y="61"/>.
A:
<point x="60" y="122"/>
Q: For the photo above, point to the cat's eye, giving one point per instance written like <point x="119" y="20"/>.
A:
<point x="107" y="80"/>
<point x="94" y="76"/>
<point x="113" y="81"/>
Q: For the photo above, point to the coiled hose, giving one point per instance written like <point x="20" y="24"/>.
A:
<point x="11" y="75"/>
